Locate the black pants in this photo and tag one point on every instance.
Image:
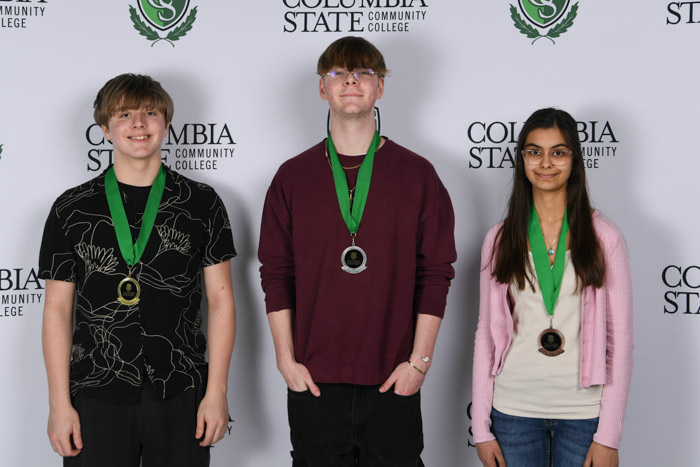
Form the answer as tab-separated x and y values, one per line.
158	432
353	425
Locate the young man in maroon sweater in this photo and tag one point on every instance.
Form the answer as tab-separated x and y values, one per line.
355	276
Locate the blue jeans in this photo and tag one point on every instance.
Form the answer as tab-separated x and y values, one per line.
543	442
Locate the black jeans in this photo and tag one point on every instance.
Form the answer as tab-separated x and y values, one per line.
158	432
354	425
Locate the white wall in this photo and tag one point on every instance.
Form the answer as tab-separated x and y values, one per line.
460	65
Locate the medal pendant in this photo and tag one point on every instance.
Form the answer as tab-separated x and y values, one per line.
551	342
354	259
128	291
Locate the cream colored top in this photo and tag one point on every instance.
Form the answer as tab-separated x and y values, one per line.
532	384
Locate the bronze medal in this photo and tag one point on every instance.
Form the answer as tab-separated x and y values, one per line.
549	278
129	291
551	342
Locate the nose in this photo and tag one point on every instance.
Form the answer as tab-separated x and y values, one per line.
138	120
546	160
351	78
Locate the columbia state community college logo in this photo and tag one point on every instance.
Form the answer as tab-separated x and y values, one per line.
17	14
170	19
20	288
543	18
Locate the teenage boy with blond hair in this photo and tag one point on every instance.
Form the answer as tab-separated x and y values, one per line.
128	253
355	276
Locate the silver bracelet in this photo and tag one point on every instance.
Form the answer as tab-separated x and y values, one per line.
426	359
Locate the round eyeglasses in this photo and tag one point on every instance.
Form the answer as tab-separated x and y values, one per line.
359	74
556	156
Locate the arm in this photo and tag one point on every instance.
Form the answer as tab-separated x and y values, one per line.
295	374
276	251
212	415
57	340
490	300
277	273
435	254
619	343
434	271
406	379
484	346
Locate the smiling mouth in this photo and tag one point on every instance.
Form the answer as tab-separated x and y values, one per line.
139	138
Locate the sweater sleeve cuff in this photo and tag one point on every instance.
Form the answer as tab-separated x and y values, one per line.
483	439
606	441
431	301
280	297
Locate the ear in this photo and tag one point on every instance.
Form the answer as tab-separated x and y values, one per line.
105	130
322	89
380	87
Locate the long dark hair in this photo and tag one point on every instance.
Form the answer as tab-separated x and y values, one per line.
511	252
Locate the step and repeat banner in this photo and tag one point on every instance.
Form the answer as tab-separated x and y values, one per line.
464	75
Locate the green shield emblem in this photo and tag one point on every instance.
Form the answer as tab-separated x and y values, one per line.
163	14
543	13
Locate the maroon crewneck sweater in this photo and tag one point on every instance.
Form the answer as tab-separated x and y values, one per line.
356	328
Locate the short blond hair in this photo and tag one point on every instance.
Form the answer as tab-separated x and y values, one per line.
130	91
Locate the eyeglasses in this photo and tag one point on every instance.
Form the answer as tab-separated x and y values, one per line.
359	74
557	156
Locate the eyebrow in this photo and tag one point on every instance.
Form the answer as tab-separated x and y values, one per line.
147	108
538	146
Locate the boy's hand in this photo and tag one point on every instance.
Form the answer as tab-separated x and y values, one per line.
64	422
212	418
406	380
298	378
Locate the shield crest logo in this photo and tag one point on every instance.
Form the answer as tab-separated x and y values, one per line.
163	14
542	13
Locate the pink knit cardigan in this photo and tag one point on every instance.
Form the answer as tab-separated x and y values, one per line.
606	336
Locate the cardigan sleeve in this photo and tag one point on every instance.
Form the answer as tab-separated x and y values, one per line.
619	341
484	346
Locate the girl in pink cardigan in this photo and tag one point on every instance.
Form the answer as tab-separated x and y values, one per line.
553	348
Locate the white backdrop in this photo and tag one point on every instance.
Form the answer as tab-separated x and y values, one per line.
462	80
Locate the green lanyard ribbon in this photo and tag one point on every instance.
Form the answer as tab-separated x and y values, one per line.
548	277
364	175
132	252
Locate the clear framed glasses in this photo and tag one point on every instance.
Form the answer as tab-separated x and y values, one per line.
535	156
359	74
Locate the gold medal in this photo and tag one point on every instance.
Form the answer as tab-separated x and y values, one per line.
129	291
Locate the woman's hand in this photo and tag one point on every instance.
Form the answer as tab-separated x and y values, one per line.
490	454
601	456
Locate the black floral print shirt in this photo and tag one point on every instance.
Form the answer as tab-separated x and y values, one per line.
119	348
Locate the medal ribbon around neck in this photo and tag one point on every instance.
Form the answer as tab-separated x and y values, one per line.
131	252
548	277
364	175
